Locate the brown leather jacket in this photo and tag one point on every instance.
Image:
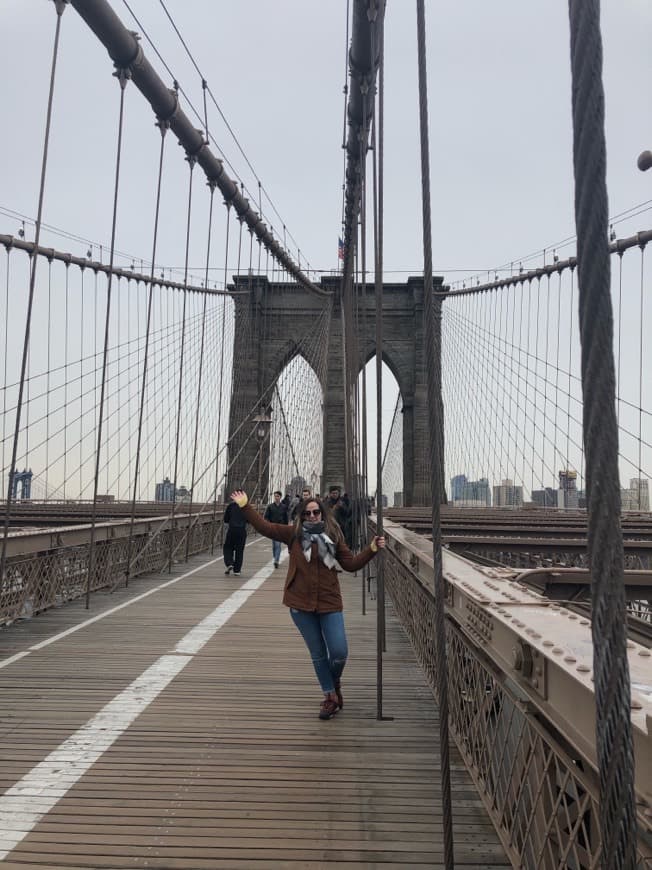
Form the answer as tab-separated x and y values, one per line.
309	585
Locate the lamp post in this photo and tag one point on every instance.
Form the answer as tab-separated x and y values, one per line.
263	423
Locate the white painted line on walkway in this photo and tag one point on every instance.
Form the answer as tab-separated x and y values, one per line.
26	802
37	646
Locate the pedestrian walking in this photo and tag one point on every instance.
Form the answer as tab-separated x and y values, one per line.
236	537
276	512
305	494
340	505
312	590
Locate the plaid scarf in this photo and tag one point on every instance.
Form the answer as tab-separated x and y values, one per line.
314	533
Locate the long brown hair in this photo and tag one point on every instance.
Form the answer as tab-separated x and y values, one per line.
331	526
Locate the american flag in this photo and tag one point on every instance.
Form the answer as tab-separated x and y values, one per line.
340	249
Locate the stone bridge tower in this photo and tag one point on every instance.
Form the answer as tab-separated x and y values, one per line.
271	321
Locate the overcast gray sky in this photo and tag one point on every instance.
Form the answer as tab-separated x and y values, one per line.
500	125
499	88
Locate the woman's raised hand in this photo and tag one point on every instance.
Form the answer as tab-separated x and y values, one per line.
239	497
377	543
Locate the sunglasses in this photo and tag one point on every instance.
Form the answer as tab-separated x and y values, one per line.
315	513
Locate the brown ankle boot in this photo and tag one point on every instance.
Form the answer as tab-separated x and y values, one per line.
328	708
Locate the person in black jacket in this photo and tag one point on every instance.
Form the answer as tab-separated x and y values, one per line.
276	512
236	536
341	507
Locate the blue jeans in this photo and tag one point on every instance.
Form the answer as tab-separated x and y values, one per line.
276	550
326	641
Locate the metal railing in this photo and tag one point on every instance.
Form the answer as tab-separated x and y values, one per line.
540	789
47	567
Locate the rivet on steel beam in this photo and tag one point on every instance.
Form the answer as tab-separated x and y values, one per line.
557	651
548	643
644	652
570	660
583	669
636	705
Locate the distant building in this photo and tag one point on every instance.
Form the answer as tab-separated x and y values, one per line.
472	493
164	491
545	497
567	495
398	499
183	494
508	495
457	487
637	497
24	478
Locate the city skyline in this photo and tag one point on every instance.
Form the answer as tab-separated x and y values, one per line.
465	492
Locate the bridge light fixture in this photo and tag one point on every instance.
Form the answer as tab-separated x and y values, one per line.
263	422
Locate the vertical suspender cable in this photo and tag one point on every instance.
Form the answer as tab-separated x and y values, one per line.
346	91
378	275
66	346
212	186
433	367
358	361
640	374
59	6
605	546
122	79
47	383
191	165
163	126
81	385
219	400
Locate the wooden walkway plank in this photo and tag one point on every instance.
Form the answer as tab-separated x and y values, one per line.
229	765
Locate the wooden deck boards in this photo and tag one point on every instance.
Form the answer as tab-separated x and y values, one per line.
229	765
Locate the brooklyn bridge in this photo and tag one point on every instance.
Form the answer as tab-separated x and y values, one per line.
167	341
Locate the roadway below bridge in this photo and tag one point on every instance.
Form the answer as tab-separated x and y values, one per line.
526	538
516	523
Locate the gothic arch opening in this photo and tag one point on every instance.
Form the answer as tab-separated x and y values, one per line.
392	432
296	442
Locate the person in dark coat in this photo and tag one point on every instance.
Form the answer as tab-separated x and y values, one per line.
341	508
236	537
276	512
312	589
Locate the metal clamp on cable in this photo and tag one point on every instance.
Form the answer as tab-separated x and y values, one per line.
644	161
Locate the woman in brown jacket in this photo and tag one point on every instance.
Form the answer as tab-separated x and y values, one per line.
312	590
